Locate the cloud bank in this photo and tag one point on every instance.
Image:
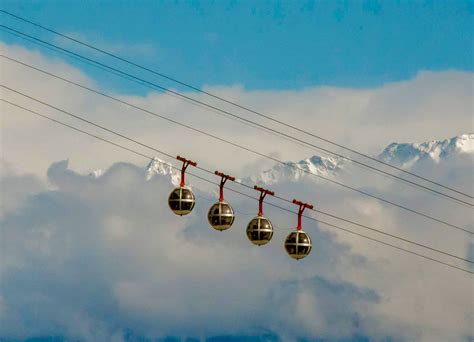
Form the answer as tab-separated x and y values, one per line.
103	258
105	255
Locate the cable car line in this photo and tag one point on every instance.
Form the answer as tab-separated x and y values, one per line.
415	186
249	150
169	94
198	105
250	187
169	91
231	102
260	154
246	195
209	109
188	99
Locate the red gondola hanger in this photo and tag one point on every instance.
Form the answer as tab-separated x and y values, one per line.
182	200
186	163
260	229
221	215
224	179
298	243
302	207
263	193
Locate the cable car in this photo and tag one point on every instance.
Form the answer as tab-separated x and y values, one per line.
182	200
298	243
221	215
260	229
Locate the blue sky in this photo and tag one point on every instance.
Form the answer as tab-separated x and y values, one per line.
268	44
100	258
97	258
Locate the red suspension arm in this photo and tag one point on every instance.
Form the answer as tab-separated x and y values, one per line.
302	207
263	193
186	163
224	179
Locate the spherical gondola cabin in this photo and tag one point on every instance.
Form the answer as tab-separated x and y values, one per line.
298	244
221	216
181	200
259	230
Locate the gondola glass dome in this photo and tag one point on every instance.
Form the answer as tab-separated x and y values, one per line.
181	200
259	230
221	216
298	244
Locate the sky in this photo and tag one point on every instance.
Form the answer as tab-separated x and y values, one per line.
270	44
89	248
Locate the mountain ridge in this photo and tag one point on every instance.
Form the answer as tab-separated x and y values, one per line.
403	155
399	154
407	154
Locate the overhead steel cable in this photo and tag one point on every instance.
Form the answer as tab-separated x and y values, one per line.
169	92
252	151
220	98
177	97
246	195
209	109
169	155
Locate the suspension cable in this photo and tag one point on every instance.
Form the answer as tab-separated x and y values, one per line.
220	185
211	107
246	195
253	151
160	74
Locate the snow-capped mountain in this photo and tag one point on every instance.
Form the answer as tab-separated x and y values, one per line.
407	154
96	173
325	166
404	155
160	167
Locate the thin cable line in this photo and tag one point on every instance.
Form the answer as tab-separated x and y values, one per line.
255	152
238	192
169	91
250	187
219	113
232	103
141	83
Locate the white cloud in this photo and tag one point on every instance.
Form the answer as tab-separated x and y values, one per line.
430	106
95	258
99	253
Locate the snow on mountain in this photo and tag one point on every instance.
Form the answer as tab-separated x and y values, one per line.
96	173
404	155
407	154
325	166
160	167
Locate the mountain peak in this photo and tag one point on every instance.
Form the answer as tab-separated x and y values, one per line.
406	154
96	173
160	167
292	171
